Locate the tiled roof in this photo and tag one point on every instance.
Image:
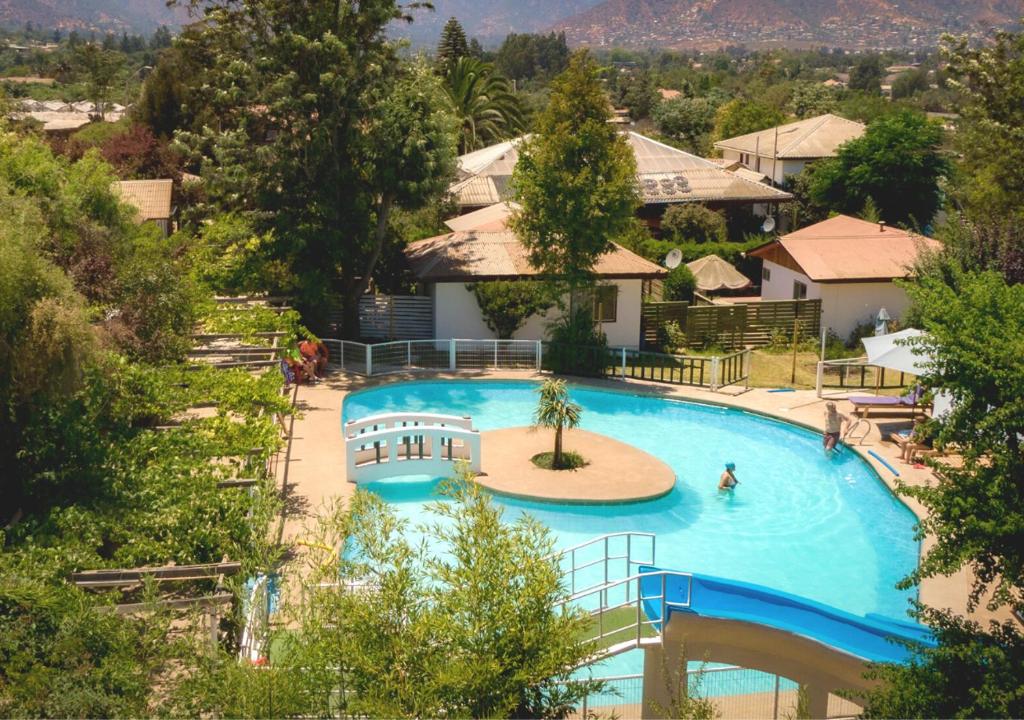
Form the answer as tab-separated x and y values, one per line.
815	137
844	248
152	198
495	255
493	217
665	175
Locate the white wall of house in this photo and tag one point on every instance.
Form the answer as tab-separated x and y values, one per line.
779	284
777	170
457	315
843	305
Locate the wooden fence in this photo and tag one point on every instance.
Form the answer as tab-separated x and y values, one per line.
396	317
731	326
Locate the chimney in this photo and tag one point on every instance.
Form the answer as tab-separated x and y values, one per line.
881	226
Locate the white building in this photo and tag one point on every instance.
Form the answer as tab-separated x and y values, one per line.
448	265
850	264
785	150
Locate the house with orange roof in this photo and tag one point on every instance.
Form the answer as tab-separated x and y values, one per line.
851	265
485	249
785	150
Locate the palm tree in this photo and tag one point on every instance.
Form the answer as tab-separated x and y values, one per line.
484	103
556	410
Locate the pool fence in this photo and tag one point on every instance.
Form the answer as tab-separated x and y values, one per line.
453	355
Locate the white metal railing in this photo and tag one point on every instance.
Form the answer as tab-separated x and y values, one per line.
412	450
618	608
582	563
467	354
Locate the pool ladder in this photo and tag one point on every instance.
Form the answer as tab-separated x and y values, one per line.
850	439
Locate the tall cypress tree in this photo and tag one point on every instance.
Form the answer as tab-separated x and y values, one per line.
452	46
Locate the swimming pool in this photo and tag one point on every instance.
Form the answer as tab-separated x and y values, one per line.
823	528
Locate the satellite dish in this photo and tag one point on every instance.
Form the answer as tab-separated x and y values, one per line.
768	225
674	258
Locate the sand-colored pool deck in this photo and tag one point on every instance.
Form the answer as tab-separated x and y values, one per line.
314	472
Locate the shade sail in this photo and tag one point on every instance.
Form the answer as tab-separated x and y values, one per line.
713	273
894	352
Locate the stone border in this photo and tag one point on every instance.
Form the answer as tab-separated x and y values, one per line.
617	472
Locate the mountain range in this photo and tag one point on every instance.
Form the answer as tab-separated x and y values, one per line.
856	23
631	23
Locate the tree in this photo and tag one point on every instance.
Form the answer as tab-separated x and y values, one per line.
687	120
740	117
452	46
692	222
483	103
636	91
575	179
866	74
975	333
470	624
321	133
97	67
898	163
679	284
507	304
555	410
810	99
975	508
525	56
910	83
990	133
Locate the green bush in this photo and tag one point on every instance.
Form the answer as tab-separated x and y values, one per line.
507	304
680	284
577	346
693	223
671	337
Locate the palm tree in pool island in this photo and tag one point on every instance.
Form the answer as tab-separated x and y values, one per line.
555	410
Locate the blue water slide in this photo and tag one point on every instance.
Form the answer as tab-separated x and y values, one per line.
871	637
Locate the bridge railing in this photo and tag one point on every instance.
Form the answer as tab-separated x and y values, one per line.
386	421
422	450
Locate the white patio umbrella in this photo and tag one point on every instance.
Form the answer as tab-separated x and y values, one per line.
885	351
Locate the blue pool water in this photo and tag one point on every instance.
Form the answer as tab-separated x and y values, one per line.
822	528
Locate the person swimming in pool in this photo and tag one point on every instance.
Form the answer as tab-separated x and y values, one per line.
834	421
728	479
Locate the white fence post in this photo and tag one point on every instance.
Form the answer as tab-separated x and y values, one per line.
819	380
369	360
714	374
496	354
451	354
623	363
538	355
408	353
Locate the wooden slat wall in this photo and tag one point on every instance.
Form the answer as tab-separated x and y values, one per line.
396	317
732	326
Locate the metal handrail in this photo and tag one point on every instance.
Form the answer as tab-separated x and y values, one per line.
605	557
849	433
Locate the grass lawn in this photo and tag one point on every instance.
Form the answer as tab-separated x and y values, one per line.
624	617
772	370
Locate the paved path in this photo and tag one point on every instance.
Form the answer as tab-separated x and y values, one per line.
315	472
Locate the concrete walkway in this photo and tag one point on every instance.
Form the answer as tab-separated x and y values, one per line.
315	471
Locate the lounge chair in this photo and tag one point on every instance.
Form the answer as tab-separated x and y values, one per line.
911	401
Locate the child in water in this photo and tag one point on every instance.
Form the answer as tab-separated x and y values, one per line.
728	479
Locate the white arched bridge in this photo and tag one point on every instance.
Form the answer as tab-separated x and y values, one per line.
395	444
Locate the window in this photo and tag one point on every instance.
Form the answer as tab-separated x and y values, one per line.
766	274
799	290
606	302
